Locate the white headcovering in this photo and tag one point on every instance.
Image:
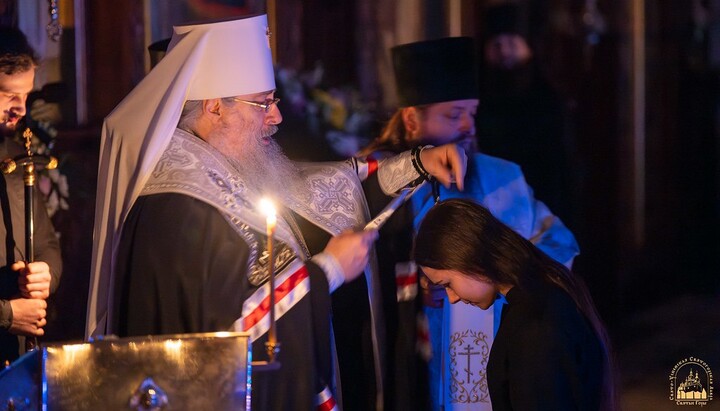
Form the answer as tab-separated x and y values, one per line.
204	61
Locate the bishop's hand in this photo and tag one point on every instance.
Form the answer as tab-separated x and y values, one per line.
351	250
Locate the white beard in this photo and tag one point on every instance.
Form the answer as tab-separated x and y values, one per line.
266	169
259	159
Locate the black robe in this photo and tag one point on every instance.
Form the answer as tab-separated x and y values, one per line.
545	355
406	381
521	118
181	268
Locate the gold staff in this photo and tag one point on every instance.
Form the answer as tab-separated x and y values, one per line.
28	161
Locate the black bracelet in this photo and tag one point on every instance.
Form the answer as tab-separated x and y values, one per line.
415	160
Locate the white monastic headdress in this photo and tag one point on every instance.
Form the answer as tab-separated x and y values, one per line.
204	61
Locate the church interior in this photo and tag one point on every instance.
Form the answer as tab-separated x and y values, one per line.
639	84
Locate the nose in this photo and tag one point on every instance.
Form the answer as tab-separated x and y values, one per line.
468	124
452	297
273	117
18	105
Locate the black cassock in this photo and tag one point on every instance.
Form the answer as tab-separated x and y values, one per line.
545	355
182	268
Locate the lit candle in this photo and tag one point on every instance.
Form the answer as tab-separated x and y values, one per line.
267	208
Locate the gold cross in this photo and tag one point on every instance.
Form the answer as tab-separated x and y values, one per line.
27	135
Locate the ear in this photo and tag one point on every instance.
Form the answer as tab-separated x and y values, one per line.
212	106
411	120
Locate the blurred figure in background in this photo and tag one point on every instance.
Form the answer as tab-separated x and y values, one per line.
521	118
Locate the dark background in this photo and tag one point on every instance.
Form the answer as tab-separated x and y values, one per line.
646	216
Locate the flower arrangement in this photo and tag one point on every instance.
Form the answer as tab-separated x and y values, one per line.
338	113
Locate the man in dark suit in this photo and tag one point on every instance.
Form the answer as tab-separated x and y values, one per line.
24	287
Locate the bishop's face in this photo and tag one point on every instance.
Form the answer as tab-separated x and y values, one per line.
245	137
14	90
449	122
255	116
243	128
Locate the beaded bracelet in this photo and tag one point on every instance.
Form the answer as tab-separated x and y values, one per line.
415	160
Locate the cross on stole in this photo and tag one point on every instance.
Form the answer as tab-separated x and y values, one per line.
469	354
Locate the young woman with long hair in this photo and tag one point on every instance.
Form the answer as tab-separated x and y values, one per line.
551	351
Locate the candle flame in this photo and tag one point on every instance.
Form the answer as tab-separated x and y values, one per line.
267	207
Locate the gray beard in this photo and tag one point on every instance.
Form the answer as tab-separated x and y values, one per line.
257	157
265	168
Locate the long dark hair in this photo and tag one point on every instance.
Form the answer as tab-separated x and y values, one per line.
459	234
394	137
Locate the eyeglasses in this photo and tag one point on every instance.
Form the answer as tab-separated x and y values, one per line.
266	105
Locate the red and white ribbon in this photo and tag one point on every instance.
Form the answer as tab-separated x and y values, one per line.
325	401
292	284
406	281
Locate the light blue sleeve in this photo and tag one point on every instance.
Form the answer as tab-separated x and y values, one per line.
551	236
